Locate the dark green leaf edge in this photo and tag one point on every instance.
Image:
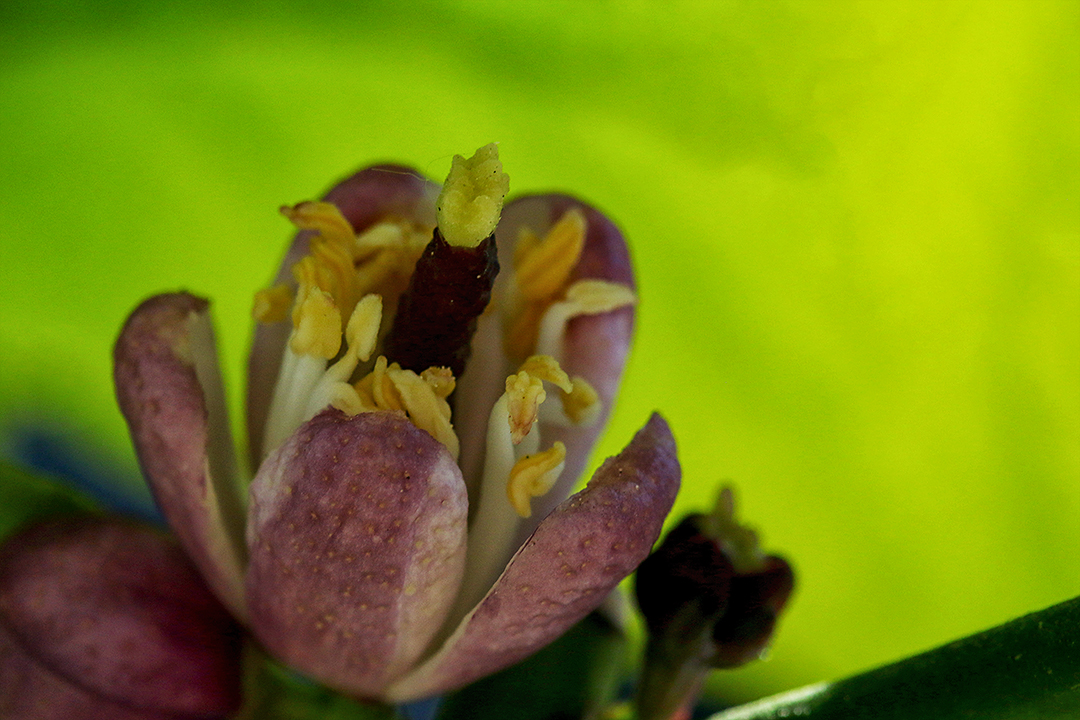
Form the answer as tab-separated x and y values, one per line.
25	497
1025	669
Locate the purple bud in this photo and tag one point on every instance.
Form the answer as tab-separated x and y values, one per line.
103	618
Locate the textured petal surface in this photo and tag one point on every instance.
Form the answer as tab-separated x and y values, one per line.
371	195
566	569
357	542
169	388
102	612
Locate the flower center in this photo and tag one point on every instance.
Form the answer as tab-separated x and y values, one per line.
390	288
347	285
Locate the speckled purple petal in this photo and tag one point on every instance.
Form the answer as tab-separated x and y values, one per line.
566	569
365	198
169	388
100	618
357	543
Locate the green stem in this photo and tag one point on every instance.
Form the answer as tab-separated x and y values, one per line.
667	685
1025	669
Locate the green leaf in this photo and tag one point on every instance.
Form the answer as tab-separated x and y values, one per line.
25	497
573	677
1025	669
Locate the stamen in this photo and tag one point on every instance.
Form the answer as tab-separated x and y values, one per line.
318	326
305	385
323	217
582	403
422	398
425	408
542	271
533	475
542	267
524	393
546	368
441	381
272	305
585	297
362	332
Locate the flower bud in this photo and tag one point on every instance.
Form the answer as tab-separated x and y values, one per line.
101	618
711	599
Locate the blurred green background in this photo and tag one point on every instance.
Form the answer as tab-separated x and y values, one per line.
857	228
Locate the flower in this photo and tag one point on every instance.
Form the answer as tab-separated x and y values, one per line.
711	599
405	532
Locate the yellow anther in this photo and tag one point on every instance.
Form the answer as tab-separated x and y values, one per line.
384	258
362	332
440	379
470	203
425	409
582	403
378	236
524	393
388	387
543	267
381	389
592	297
547	368
542	271
322	217
329	267
318	329
533	475
272	305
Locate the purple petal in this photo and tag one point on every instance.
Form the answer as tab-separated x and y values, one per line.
576	557
101	618
31	691
170	392
357	543
369	196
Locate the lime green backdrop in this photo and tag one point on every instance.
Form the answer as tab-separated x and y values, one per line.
857	228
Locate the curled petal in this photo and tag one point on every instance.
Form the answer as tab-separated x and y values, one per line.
169	387
101	618
357	543
566	569
373	194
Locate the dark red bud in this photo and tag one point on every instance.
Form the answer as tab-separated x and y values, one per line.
687	567
689	584
755	602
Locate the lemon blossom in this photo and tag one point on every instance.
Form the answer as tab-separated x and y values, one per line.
429	373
